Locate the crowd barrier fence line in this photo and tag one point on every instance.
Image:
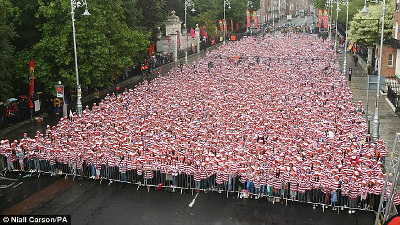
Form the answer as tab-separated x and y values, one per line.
183	182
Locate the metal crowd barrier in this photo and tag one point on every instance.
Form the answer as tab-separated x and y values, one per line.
183	182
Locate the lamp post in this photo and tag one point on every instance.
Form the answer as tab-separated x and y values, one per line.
337	15
364	12
187	3
249	4
75	5
273	14
375	125
330	20
226	3
345	41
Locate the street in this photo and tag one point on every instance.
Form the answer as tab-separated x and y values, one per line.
90	202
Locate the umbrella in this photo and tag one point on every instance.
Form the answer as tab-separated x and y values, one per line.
8	101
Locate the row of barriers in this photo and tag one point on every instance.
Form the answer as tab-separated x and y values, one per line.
183	183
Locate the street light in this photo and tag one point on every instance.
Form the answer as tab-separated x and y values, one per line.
187	3
226	3
249	4
345	41
375	125
364	11
329	4
337	15
377	33
74	5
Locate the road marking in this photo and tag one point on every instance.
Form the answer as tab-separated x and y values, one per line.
18	184
192	203
5	178
6	186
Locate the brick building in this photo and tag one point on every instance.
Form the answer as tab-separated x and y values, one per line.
391	48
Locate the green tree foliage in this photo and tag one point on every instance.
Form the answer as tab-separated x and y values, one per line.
116	36
209	12
105	44
153	16
364	29
319	4
8	14
354	7
26	28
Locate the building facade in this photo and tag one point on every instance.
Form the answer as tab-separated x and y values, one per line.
279	9
391	48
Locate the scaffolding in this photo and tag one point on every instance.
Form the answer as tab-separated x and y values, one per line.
387	209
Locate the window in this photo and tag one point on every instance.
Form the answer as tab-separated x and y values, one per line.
390	60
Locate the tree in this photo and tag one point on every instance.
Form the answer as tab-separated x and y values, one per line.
105	44
26	24
364	29
354	7
153	16
8	14
319	4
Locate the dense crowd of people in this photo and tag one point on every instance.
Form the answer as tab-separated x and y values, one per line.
273	112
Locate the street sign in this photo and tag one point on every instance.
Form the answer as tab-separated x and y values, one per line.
373	82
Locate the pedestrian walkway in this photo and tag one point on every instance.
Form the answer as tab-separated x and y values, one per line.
389	121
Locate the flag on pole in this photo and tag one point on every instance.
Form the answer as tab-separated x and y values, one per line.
204	32
319	17
179	41
248	18
192	32
325	18
220	25
326	21
225	26
151	50
231	25
255	19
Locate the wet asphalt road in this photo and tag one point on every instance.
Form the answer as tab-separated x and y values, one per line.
89	202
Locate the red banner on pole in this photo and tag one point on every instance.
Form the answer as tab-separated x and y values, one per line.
237	26
31	83
231	25
225	26
204	32
179	41
255	19
220	25
248	18
319	17
192	33
151	50
326	21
